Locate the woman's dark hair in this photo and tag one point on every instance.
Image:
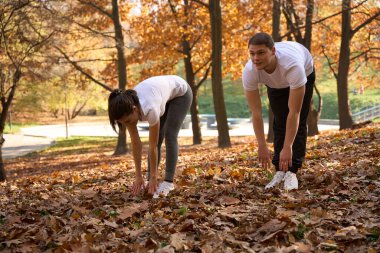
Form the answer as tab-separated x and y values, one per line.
121	102
262	39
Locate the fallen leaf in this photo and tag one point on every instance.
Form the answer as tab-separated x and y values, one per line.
111	224
226	200
178	240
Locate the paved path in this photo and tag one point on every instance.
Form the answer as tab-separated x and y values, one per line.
36	138
244	128
17	144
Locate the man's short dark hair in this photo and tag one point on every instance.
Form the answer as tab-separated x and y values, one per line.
262	39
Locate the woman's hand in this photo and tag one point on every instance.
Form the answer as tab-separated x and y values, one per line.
152	186
138	185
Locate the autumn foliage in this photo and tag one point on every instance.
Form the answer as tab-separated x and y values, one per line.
65	201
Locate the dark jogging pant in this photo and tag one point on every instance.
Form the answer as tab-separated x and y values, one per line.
170	125
278	99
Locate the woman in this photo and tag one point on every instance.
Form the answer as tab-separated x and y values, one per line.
163	101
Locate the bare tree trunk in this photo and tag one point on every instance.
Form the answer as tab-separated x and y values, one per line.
121	147
313	117
6	103
216	75
75	112
294	22
312	120
197	134
345	118
3	175
121	142
276	21
190	78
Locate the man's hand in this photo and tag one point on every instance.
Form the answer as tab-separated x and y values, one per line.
264	157
286	155
138	185
152	186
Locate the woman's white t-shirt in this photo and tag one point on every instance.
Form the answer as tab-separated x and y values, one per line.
155	92
294	64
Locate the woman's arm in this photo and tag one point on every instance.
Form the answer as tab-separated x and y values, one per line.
136	152
153	157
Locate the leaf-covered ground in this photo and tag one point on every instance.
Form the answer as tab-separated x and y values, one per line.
79	201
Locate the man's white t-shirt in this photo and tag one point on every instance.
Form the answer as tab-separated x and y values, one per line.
294	64
155	92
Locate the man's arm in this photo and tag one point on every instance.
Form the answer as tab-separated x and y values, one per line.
295	106
254	103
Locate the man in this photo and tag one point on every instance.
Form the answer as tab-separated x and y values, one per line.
286	68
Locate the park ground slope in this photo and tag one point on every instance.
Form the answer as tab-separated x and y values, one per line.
78	200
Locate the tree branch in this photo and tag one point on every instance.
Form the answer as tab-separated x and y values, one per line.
80	69
38	43
22	5
363	53
89	28
92	60
104	12
202	3
175	14
201	67
330	64
204	77
322	19
364	24
196	40
320	99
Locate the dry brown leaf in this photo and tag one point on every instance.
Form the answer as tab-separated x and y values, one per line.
178	241
189	171
128	211
227	200
111	224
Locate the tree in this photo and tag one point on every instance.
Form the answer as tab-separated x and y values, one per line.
276	27
345	118
215	12
365	45
103	18
296	25
187	47
168	33
22	35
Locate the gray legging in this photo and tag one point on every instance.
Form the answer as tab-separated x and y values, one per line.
170	124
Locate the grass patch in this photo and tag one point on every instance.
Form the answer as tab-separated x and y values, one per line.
182	210
82	144
374	236
78	145
15	128
299	233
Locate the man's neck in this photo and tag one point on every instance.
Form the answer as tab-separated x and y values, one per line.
271	66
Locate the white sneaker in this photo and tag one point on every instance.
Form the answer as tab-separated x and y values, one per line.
278	177
290	181
163	189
